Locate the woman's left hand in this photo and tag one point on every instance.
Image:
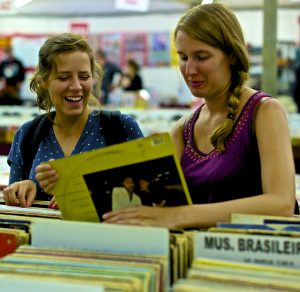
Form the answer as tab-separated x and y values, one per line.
144	216
46	176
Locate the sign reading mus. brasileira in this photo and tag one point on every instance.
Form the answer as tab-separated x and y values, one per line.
271	250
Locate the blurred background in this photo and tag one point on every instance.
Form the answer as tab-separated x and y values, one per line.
142	30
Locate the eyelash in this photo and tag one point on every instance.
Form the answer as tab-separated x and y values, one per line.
82	77
199	58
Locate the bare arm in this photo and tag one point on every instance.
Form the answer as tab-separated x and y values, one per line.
277	164
278	175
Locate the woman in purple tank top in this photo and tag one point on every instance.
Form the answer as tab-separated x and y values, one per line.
235	149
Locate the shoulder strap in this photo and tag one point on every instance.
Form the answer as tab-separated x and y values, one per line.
112	127
29	146
256	107
190	119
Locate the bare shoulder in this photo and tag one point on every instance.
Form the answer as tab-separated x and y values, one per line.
271	116
269	103
271	106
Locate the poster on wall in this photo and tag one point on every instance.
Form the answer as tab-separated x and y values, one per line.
26	48
93	40
4	41
135	47
81	28
173	52
7	7
159	49
111	44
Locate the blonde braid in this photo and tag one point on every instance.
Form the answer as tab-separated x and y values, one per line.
221	134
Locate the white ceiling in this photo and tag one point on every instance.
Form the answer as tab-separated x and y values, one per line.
93	7
42	8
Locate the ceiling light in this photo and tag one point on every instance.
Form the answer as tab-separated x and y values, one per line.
20	3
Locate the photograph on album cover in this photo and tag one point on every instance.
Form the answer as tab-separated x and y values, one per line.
152	183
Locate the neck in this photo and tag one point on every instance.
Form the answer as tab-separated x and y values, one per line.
69	125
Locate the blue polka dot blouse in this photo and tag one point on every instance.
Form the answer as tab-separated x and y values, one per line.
91	138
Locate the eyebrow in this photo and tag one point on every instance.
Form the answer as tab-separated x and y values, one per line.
196	52
67	72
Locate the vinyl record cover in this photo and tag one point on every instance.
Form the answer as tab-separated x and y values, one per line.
161	262
10	239
144	171
31	212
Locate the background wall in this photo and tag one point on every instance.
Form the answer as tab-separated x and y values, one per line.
251	21
165	81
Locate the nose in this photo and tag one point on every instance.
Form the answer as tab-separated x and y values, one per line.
75	84
190	67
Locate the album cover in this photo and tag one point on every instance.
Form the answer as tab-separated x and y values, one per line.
144	171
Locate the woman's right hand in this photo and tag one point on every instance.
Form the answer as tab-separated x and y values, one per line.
46	176
21	193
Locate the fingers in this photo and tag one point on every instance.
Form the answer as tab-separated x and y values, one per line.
53	204
3	187
118	213
46	176
144	216
43	167
130	216
43	171
20	193
26	193
48	185
10	195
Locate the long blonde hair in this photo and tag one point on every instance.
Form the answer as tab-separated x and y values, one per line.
217	26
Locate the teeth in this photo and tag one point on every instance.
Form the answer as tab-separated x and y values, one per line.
74	98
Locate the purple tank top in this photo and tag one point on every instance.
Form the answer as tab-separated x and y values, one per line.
236	173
